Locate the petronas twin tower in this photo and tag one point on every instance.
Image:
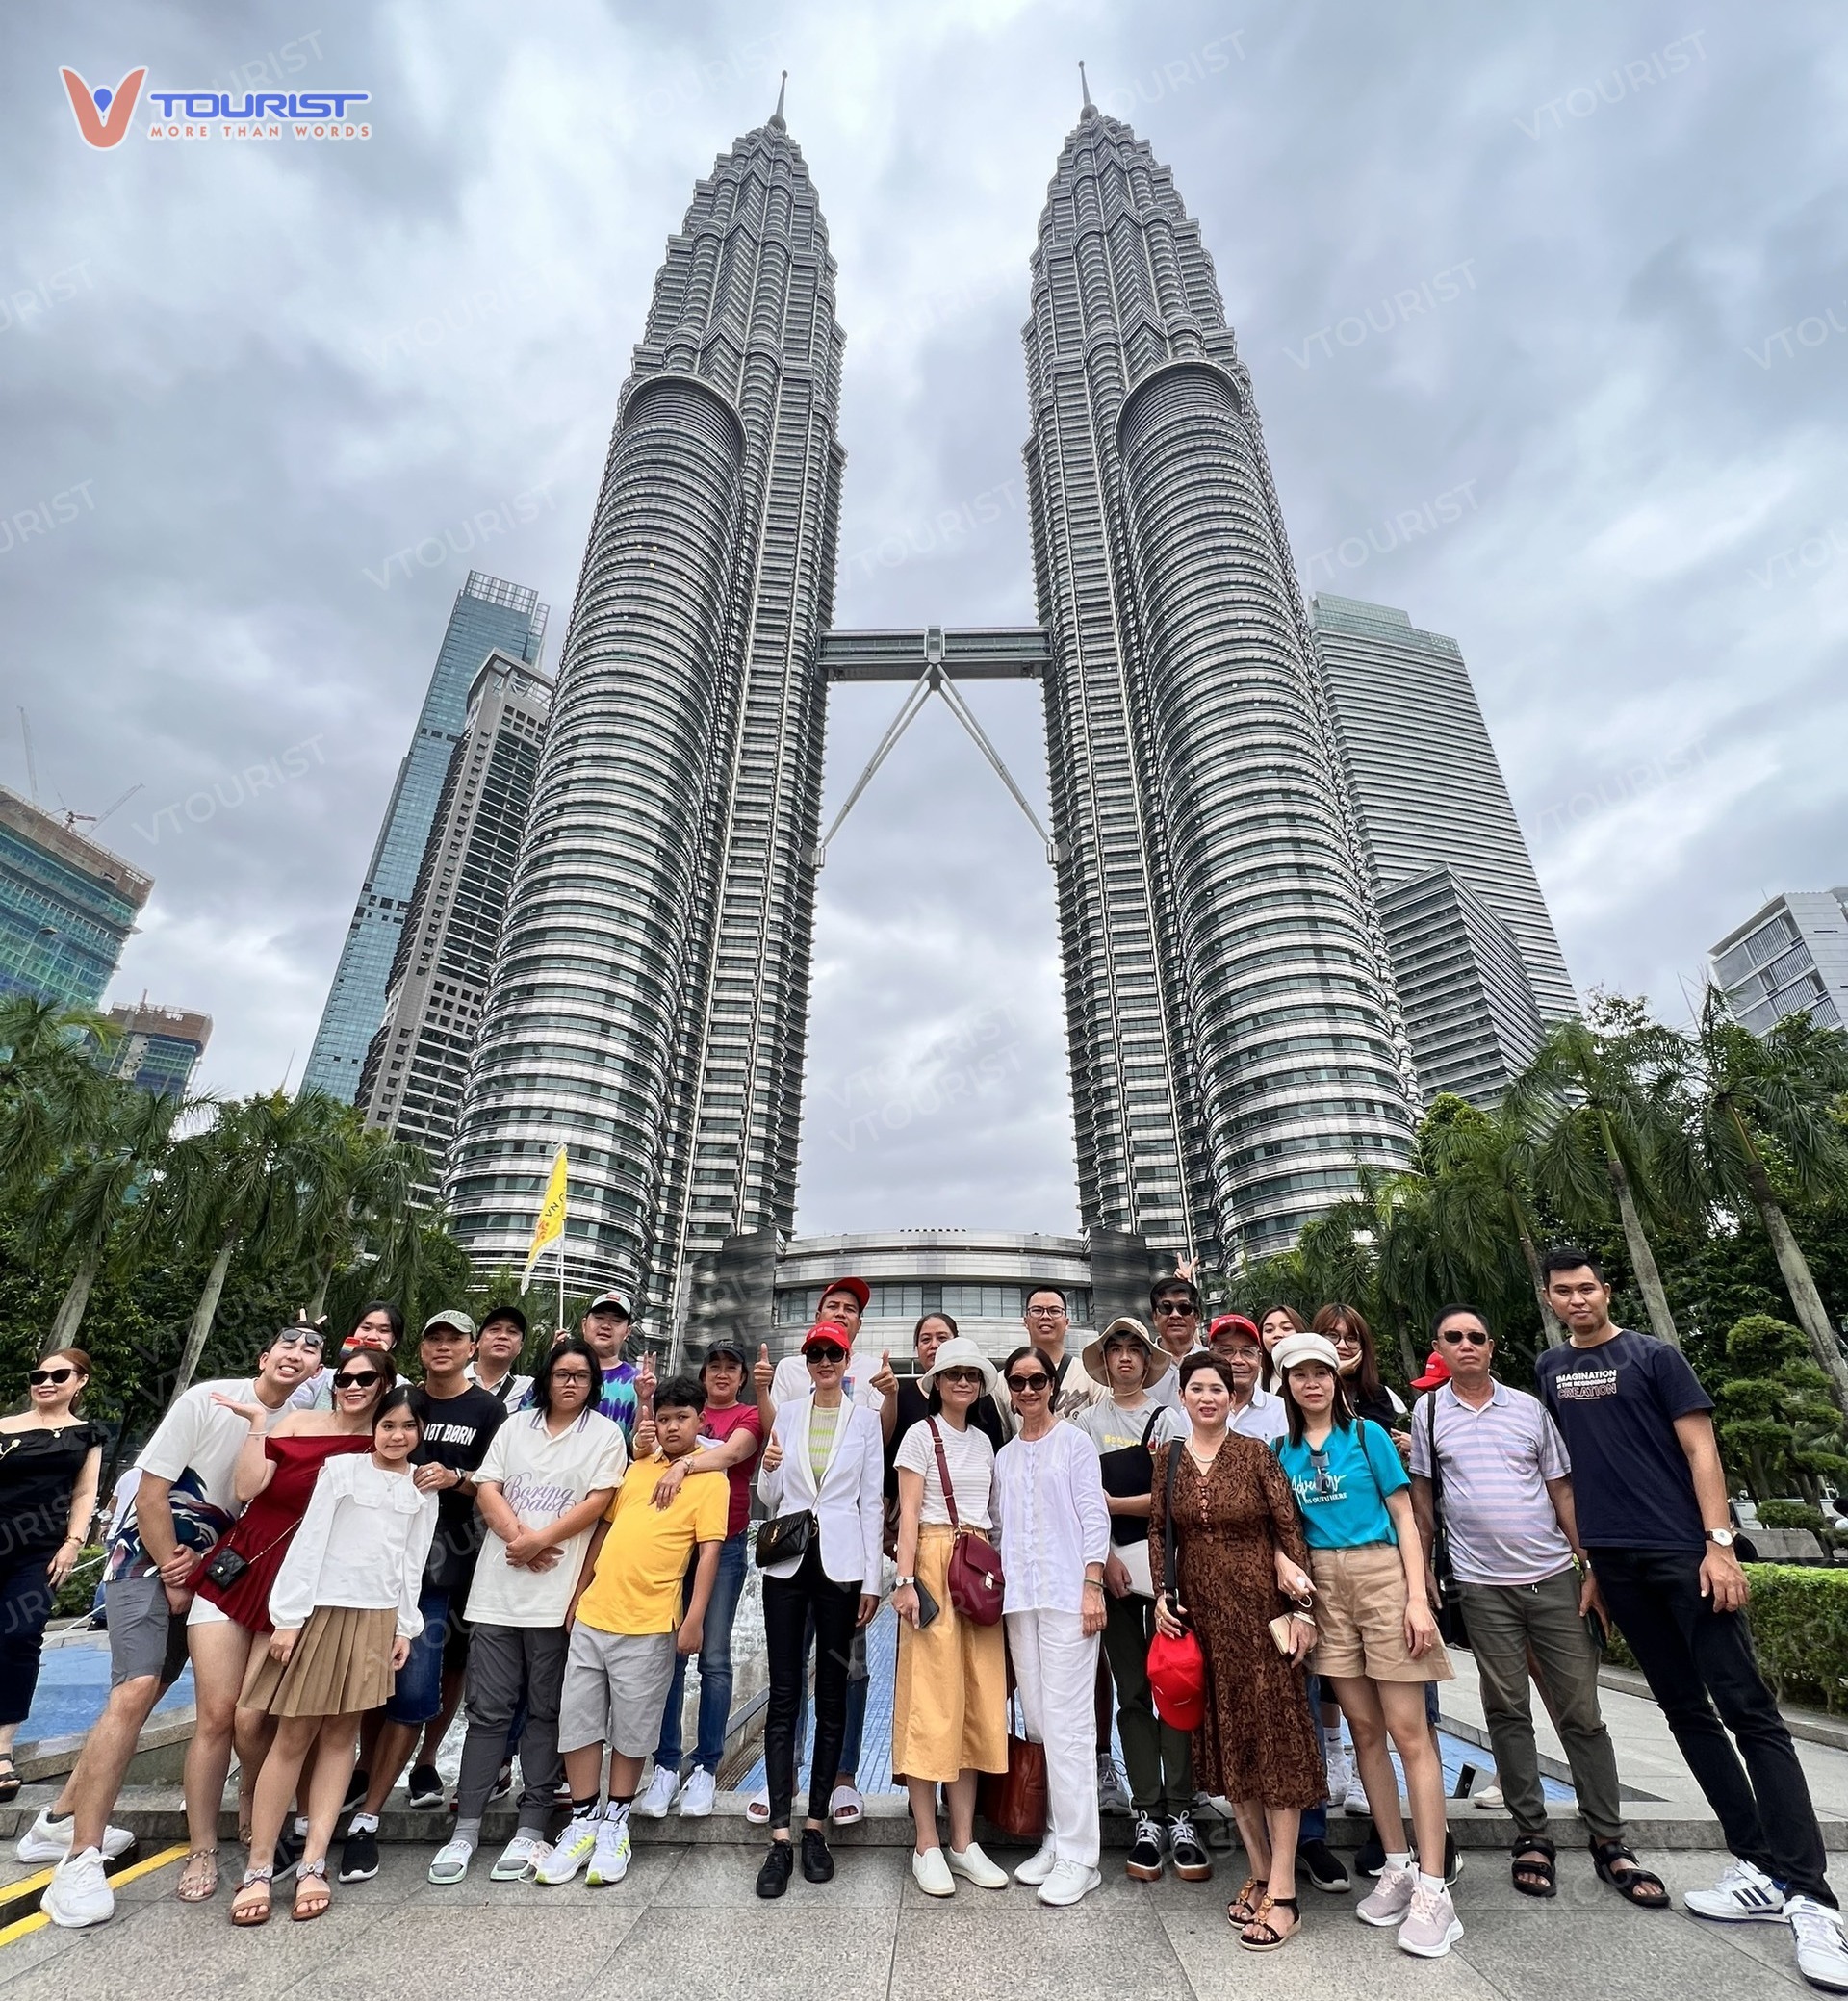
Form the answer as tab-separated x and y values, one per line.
1234	1053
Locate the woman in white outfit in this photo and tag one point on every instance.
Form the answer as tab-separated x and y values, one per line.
1055	1535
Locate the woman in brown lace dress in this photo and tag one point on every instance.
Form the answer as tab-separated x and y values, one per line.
1236	1536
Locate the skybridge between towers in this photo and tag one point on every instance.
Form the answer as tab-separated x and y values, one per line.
932	659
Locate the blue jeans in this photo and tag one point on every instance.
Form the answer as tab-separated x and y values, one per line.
716	1667
417	1693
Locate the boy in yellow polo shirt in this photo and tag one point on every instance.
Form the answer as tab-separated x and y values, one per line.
629	1625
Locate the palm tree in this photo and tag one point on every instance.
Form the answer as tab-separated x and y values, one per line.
1765	1120
100	1206
363	1190
1601	1106
1481	1167
52	1093
1381	1245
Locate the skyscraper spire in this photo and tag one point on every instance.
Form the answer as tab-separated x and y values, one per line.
1084	84
776	116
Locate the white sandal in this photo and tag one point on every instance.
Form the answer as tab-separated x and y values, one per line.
846	1805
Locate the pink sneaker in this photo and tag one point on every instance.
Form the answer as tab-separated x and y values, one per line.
1431	1925
1391	1899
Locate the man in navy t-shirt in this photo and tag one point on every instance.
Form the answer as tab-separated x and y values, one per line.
1651	1499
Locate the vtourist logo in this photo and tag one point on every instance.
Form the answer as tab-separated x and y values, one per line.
103	116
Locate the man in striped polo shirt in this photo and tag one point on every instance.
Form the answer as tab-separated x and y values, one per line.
1506	1499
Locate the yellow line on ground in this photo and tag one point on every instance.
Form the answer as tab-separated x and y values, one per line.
21	1926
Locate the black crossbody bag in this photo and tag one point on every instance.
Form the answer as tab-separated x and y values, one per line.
1449	1609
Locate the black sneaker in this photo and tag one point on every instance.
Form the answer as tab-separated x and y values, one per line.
1372	1859
288	1849
1186	1850
502	1784
772	1879
423	1787
1146	1851
1452	1861
359	1856
817	1864
355	1790
1319	1863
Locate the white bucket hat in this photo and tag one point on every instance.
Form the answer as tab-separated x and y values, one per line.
960	1354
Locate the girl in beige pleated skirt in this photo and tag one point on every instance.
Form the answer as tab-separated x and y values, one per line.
345	1610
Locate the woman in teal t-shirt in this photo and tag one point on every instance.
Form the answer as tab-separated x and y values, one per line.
1377	1643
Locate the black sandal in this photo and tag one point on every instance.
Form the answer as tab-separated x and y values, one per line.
1532	1870
10	1779
1261	1935
1637	1884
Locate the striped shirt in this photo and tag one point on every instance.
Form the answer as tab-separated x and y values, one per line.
1496	1463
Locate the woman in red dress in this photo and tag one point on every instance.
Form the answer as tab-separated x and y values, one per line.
276	1474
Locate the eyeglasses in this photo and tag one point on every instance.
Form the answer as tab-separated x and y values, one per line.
39	1378
1045	1312
570	1375
1346	1338
1471	1337
360	1379
1176	1308
1030	1385
298	1337
960	1376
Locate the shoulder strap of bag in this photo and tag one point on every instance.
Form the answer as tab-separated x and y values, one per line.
1440	1539
1171	1575
943	1473
1154	1418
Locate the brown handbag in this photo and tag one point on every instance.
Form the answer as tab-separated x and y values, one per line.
1013	1802
976	1583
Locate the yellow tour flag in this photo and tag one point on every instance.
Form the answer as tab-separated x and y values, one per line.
551	1226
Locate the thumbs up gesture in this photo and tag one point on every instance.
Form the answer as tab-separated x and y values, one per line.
884	1381
763	1373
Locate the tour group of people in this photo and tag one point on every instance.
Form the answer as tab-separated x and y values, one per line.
1228	1538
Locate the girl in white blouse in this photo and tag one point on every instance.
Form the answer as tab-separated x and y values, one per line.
345	1610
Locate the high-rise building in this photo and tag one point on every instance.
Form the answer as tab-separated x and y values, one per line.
1792	955
411	1084
1423	779
1234	1051
66	907
488	614
159	1047
1463	988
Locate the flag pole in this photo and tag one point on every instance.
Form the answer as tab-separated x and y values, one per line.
561	1284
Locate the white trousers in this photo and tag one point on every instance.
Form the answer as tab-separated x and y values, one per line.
1055	1663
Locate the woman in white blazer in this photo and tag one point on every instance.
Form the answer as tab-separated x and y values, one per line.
826	1459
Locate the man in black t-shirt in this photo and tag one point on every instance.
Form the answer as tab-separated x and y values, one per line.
1650	1497
459	1418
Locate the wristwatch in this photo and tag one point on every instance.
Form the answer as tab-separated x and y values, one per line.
1720	1538
899	1584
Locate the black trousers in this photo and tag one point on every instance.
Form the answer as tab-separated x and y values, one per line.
1697	1661
25	1606
788	1605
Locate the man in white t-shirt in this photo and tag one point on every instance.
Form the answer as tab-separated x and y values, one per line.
549	1475
184	1502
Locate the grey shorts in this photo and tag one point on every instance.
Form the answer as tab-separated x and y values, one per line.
616	1687
144	1637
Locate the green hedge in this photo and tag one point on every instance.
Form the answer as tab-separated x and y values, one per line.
1798	1619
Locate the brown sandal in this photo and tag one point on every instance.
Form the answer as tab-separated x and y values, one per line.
254	1912
1261	1935
199	1882
312	1894
1243	1907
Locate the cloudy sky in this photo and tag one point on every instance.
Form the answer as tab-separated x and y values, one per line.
1582	265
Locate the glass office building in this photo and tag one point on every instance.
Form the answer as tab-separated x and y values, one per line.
488	613
1791	956
160	1047
66	907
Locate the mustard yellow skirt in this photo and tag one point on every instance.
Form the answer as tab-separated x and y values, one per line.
341	1666
950	1705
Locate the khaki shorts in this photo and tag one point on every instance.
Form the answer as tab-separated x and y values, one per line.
1360	1618
615	1689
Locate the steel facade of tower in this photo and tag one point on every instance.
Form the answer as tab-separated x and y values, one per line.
488	613
651	996
1233	1052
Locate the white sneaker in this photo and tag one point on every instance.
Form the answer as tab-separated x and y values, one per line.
48	1840
932	1873
973	1867
660	1795
1067	1883
757	1808
1357	1799
1431	1925
1489	1798
609	1858
1341	1775
450	1862
79	1893
517	1861
1037	1867
698	1795
1822	1958
1744	1893
1111	1796
571	1850
1391	1898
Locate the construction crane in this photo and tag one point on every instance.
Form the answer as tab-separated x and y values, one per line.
96	819
32	769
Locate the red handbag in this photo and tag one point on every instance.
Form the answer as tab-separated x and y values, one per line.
976	1582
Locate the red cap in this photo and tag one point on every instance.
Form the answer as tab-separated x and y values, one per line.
1177	1680
1233	1324
856	1288
829	1331
1437	1372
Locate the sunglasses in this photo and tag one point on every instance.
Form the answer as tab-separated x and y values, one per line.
1030	1385
1178	1309
960	1376
298	1340
39	1378
356	1378
1471	1337
824	1354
